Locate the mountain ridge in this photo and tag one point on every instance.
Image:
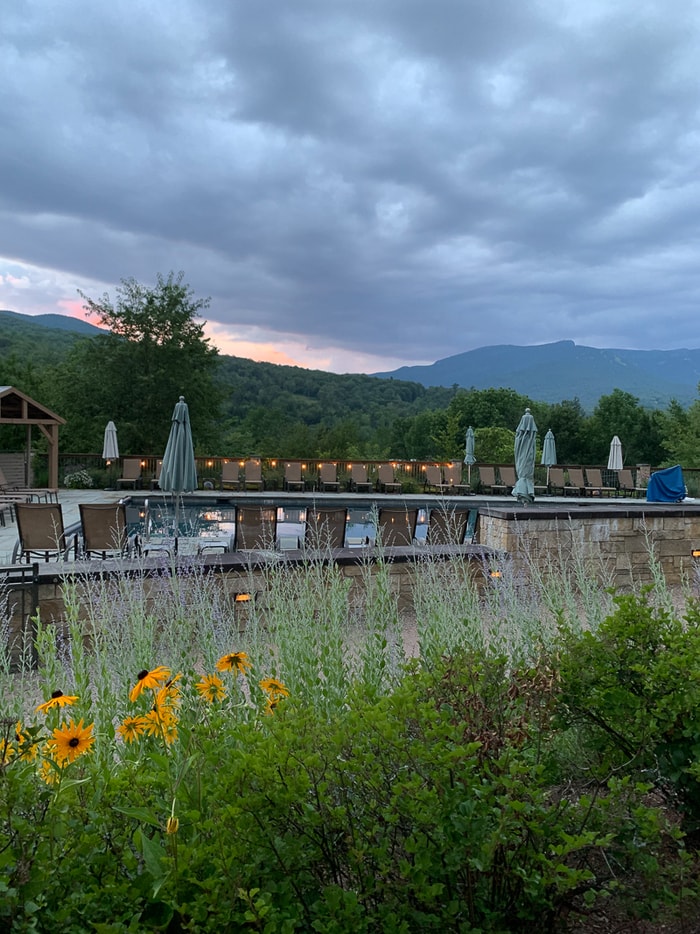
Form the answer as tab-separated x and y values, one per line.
548	372
566	370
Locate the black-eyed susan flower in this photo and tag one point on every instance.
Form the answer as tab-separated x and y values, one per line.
131	728
274	688
271	704
57	699
149	679
48	773
71	741
234	661
169	694
27	744
161	722
211	688
7	751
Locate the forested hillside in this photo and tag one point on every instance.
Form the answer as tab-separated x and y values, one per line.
133	372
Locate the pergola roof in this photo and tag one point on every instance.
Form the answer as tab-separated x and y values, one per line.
17	408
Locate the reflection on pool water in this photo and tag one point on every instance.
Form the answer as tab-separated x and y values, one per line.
202	521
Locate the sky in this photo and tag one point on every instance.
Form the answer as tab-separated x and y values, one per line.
360	184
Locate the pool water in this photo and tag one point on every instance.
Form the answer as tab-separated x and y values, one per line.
206	521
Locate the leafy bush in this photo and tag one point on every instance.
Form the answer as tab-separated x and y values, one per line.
634	688
78	480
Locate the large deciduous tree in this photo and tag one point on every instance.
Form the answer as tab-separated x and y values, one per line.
155	351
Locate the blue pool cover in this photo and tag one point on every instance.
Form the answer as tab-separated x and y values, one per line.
666	486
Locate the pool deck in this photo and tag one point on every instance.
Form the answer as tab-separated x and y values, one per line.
505	506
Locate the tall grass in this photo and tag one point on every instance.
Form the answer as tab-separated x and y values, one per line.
310	626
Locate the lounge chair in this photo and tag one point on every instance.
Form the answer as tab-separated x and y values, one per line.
488	482
230	475
325	528
556	480
328	478
433	482
628	484
358	481
508	478
252	475
386	479
452	479
131	472
576	483
41	532
256	528
595	485
33	494
104	530
155	480
396	527
293	479
451	526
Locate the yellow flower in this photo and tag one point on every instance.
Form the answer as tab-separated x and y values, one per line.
172	825
27	746
57	699
211	688
7	751
131	728
149	679
235	661
161	722
48	773
169	694
271	705
274	688
72	740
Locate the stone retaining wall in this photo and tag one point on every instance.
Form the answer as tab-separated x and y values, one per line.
620	537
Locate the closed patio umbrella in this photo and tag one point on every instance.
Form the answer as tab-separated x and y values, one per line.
525	442
110	447
549	452
178	473
469	457
615	456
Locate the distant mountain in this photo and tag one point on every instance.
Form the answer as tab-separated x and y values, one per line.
565	370
54	322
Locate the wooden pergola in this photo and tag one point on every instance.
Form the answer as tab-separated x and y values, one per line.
16	408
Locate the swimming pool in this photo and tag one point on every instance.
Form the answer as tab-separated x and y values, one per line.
202	519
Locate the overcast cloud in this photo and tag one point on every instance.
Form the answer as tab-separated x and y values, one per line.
359	184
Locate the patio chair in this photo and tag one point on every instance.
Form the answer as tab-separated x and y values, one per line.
256	528
252	475
396	527
230	475
325	528
451	526
488	482
131	472
386	479
575	483
452	479
293	479
41	532
556	480
433	482
104	530
628	483
508	478
358	481
328	478
595	485
155	480
33	494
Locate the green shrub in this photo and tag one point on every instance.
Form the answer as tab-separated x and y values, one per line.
634	689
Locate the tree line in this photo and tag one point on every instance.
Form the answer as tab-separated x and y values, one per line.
155	350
